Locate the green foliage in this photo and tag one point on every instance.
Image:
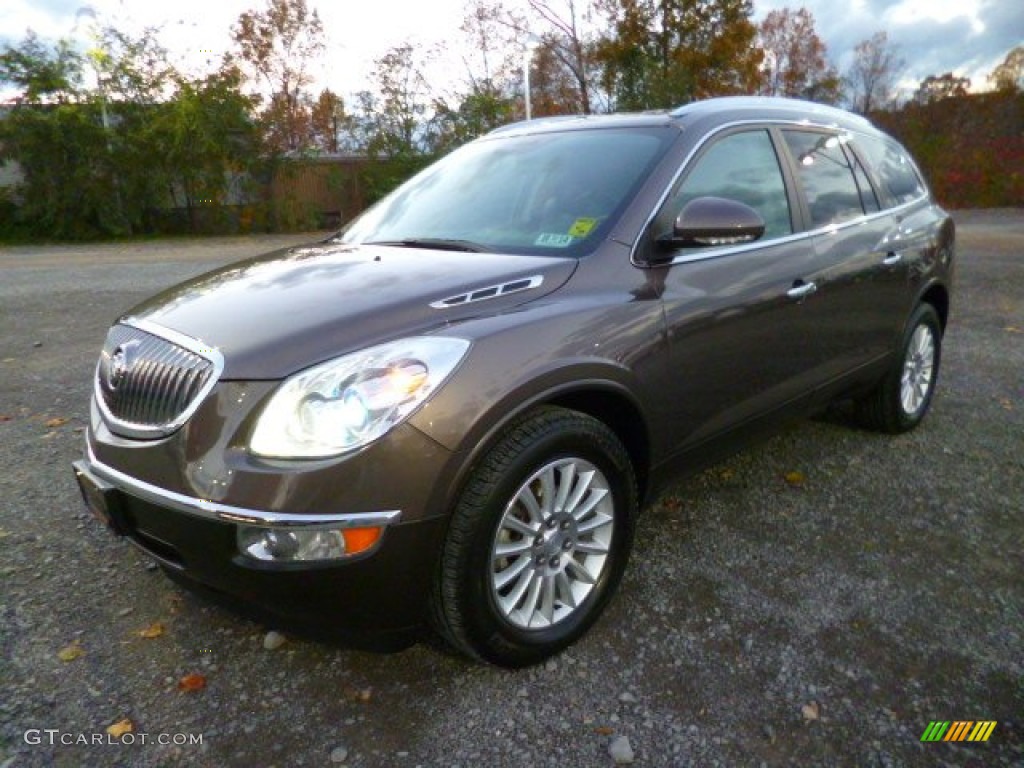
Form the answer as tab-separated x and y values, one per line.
69	180
41	72
103	161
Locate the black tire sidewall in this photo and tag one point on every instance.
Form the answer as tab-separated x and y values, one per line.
488	631
926	315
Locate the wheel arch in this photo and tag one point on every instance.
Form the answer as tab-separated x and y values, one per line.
606	400
938	296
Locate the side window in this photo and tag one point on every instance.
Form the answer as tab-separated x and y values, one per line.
827	178
894	168
868	198
741	167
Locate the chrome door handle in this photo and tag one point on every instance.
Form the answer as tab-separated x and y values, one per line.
801	290
892	258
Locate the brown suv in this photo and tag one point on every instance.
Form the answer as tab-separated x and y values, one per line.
451	412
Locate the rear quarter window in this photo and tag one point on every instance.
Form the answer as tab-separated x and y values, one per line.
896	172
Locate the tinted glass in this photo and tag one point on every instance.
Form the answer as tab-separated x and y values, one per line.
894	168
550	193
826	176
868	198
741	167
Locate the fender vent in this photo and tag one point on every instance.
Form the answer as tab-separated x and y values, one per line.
490	292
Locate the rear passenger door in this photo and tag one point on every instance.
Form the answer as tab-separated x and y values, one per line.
862	282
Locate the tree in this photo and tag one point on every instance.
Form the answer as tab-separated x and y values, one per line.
795	64
328	119
661	53
1009	75
103	160
391	126
939	87
43	74
277	46
567	45
207	137
871	79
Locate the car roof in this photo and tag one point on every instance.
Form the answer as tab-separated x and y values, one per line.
715	111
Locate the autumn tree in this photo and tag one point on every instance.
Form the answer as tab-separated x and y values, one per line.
939	87
661	53
871	79
1009	75
566	50
328	121
795	63
276	47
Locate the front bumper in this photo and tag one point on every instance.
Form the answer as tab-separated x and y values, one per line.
381	592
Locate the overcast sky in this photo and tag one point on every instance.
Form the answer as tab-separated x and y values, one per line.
968	37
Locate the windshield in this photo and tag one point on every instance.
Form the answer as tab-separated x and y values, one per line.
546	193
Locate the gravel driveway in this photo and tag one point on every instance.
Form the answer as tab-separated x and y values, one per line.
816	600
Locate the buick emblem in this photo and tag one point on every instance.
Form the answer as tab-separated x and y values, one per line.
120	363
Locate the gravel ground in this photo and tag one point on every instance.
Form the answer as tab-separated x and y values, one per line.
821	620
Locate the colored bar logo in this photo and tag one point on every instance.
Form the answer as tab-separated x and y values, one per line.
958	730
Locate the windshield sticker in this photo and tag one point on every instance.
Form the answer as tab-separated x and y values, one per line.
553	240
581	227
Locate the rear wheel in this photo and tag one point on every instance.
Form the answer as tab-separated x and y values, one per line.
538	540
902	398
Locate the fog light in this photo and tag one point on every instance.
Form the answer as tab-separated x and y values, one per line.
286	545
283	545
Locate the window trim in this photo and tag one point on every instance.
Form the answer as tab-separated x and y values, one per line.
772	125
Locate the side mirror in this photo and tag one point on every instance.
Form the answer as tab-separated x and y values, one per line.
714	221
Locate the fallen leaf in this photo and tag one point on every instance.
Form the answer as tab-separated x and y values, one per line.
1006	403
193	682
56	422
153	630
727	474
604	730
5	417
70	652
795	479
120	728
810	711
359	694
1012	329
672	503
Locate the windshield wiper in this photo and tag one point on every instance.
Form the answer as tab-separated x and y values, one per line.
437	243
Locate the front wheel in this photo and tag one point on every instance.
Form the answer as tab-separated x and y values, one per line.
538	541
901	399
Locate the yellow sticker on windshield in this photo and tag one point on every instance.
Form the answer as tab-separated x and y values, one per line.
582	227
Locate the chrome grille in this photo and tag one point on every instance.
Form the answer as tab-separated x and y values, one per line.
148	385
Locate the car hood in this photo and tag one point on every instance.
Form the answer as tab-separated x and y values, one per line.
276	314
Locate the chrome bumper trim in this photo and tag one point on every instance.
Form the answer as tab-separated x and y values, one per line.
225	513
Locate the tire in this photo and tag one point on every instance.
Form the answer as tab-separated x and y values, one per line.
900	400
538	540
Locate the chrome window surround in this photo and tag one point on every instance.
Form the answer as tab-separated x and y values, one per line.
225	513
714	253
193	345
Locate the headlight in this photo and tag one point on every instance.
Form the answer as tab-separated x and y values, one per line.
351	401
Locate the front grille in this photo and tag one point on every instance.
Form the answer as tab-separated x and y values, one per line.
147	385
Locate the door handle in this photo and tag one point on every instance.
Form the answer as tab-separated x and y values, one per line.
801	290
892	258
